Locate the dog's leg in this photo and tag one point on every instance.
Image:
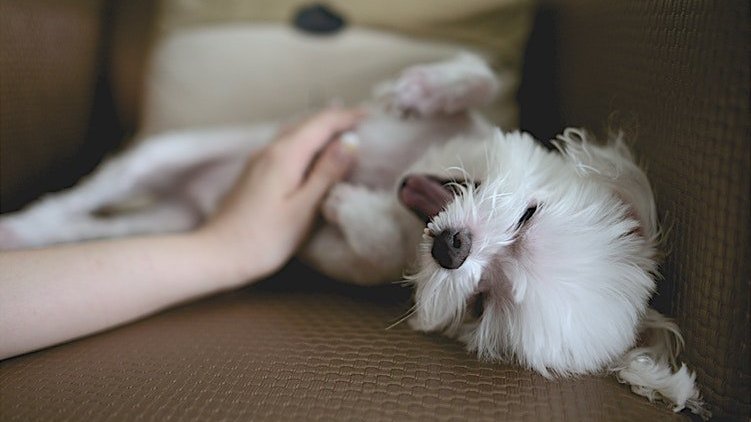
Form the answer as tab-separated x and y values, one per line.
364	243
442	88
155	166
163	217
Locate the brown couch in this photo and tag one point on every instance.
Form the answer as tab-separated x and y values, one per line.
301	347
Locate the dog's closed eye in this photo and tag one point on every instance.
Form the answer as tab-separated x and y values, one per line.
526	216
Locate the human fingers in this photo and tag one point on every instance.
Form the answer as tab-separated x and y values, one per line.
331	167
312	135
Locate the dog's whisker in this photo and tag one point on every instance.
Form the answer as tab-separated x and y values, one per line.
407	315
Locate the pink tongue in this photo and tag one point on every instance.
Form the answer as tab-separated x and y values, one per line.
424	196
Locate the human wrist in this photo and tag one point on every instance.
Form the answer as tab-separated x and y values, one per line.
236	264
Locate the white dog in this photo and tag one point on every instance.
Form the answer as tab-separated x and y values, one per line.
544	257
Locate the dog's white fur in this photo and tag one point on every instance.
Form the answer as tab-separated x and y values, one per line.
564	292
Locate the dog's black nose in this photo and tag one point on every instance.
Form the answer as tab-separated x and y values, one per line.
451	248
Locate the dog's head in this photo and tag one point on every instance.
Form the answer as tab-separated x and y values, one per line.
544	256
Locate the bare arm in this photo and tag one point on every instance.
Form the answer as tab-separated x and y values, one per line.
52	295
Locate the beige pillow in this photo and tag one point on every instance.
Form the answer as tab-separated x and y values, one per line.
233	61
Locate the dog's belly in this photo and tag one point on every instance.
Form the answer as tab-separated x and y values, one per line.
389	145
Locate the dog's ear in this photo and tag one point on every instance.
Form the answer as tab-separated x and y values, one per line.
653	370
613	165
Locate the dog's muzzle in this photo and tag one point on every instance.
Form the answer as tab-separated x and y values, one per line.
426	196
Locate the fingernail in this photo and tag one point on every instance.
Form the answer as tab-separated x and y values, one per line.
346	148
350	140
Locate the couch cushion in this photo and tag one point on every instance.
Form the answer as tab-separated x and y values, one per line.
297	347
235	61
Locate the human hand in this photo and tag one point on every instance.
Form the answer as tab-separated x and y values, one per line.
268	213
55	294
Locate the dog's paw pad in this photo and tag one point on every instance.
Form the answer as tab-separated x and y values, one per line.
413	93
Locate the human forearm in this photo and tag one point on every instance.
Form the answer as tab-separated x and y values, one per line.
58	294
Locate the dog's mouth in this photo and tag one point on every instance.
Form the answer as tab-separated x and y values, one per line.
427	195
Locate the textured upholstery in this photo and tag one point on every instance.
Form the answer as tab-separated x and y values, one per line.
49	67
298	347
132	31
675	78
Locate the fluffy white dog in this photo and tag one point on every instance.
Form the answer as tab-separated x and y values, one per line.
544	257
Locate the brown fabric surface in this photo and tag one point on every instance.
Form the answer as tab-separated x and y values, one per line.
297	348
133	30
675	77
48	67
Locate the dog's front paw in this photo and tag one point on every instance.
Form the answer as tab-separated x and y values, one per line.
337	198
413	94
442	88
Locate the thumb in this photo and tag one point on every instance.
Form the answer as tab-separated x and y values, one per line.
330	167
